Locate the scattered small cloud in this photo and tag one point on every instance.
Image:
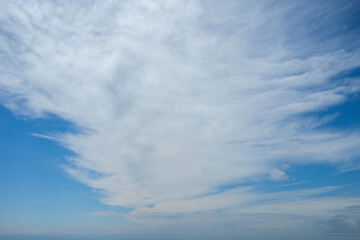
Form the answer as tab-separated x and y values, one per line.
285	166
278	175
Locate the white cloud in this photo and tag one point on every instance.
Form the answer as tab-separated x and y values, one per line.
278	175
175	97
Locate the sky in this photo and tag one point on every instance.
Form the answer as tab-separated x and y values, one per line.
179	119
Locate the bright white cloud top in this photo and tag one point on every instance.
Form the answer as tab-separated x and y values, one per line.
176	99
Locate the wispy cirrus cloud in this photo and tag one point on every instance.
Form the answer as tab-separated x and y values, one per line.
176	98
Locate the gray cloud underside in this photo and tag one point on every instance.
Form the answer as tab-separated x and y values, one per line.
176	98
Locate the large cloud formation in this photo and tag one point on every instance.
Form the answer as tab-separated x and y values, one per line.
175	99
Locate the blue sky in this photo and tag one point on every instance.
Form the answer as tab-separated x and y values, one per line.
180	119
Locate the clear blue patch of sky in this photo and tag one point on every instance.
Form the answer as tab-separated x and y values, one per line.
306	177
347	114
35	190
316	176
